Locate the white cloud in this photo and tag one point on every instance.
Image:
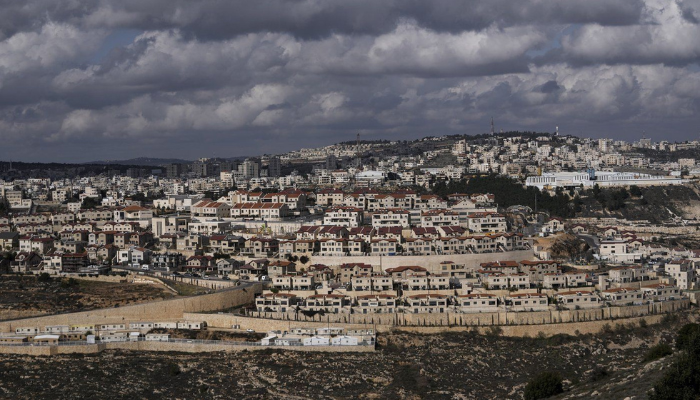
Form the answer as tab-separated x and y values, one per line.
54	45
665	37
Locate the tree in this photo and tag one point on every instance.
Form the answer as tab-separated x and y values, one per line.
682	378
686	334
138	197
4	206
635	191
303	259
659	351
509	192
544	385
89	203
44	277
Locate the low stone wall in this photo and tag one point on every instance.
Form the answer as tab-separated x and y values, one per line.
167	347
264	325
572	328
172	309
385	322
79	349
28	350
198	348
104	278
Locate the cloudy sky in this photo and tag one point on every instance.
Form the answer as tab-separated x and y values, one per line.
83	80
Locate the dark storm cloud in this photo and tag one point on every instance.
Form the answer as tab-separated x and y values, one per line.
318	18
690	10
218	19
245	77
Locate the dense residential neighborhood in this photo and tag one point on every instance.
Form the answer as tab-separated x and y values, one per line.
350	199
300	232
500	230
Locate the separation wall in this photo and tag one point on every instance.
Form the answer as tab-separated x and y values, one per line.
172	309
443	321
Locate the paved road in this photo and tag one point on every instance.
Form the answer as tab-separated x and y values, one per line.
592	240
211	283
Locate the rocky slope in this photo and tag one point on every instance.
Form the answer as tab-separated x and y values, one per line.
25	296
405	366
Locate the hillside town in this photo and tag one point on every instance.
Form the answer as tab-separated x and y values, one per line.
332	199
363	231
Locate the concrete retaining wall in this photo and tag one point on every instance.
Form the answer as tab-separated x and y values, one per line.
155	311
28	350
431	263
442	321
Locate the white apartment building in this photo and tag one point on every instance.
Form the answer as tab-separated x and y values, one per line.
392	217
349	217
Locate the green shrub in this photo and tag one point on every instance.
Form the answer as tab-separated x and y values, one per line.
559	339
669	319
44	277
70	282
682	378
685	334
659	351
598	373
544	385
494	330
174	369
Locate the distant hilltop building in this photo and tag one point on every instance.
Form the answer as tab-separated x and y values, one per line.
591	178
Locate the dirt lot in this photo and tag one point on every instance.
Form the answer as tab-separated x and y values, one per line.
24	296
212	334
405	366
